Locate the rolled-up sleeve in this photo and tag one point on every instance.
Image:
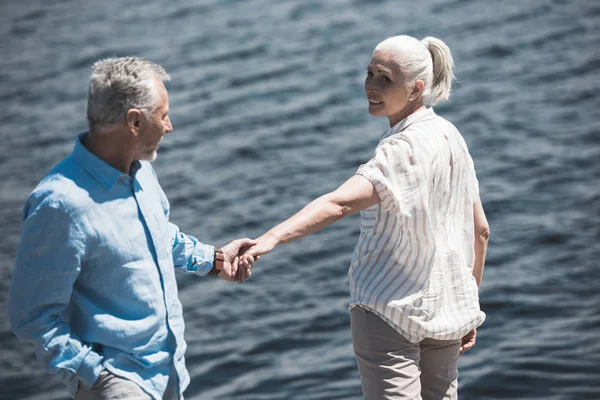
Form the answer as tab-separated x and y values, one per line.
189	255
48	263
396	174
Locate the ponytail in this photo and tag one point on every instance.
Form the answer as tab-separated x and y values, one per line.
443	69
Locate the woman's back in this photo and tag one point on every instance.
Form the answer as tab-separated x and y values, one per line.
413	263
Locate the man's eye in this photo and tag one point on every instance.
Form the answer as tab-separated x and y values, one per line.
385	79
369	73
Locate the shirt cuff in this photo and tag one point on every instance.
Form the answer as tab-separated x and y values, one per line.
90	368
202	259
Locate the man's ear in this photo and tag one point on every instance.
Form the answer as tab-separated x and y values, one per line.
417	90
134	120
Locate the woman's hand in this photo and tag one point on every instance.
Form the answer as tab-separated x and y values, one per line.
468	341
264	245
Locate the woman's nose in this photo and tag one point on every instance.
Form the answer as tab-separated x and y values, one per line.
370	89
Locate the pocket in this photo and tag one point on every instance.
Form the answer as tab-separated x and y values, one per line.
368	218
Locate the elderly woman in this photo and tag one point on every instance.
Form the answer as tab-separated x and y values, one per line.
417	267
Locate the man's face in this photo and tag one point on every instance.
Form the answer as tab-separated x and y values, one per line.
156	126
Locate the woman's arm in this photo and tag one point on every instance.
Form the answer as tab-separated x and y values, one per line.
356	194
482	235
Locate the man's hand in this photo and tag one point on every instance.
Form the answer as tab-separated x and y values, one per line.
231	255
468	341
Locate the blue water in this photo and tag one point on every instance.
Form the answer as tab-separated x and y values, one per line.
269	113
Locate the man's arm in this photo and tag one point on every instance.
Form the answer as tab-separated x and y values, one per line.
47	265
189	255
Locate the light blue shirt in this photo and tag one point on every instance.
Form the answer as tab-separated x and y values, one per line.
94	284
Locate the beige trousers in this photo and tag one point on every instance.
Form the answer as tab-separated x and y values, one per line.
112	387
390	367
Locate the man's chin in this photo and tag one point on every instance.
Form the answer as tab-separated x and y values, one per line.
149	156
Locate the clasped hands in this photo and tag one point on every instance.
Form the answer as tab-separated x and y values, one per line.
240	254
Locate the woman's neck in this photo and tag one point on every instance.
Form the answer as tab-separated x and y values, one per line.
406	111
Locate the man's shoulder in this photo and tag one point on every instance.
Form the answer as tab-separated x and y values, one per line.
61	188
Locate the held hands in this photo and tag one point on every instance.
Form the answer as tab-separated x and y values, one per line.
240	254
231	260
263	245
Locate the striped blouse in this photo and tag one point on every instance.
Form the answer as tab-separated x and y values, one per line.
414	259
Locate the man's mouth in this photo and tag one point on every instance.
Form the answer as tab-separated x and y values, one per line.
375	102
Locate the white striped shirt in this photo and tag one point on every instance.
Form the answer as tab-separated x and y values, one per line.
414	259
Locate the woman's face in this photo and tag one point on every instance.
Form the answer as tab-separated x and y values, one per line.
385	87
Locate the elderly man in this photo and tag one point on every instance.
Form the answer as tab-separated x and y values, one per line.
94	286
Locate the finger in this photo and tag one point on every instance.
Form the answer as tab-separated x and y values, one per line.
249	260
243	274
471	344
247	271
251	251
468	346
234	267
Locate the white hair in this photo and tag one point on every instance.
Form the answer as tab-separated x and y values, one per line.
428	60
120	84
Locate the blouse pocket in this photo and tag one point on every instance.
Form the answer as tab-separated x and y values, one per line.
368	218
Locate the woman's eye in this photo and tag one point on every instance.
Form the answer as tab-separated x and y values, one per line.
369	73
385	79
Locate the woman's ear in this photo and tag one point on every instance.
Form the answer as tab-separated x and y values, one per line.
417	89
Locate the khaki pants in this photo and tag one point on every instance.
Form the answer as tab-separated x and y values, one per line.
390	367
112	387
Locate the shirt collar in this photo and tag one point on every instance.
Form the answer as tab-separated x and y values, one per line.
101	171
421	115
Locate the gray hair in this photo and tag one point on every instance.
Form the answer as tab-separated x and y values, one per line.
119	84
428	60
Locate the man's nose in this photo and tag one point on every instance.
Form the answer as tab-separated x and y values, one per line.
169	125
